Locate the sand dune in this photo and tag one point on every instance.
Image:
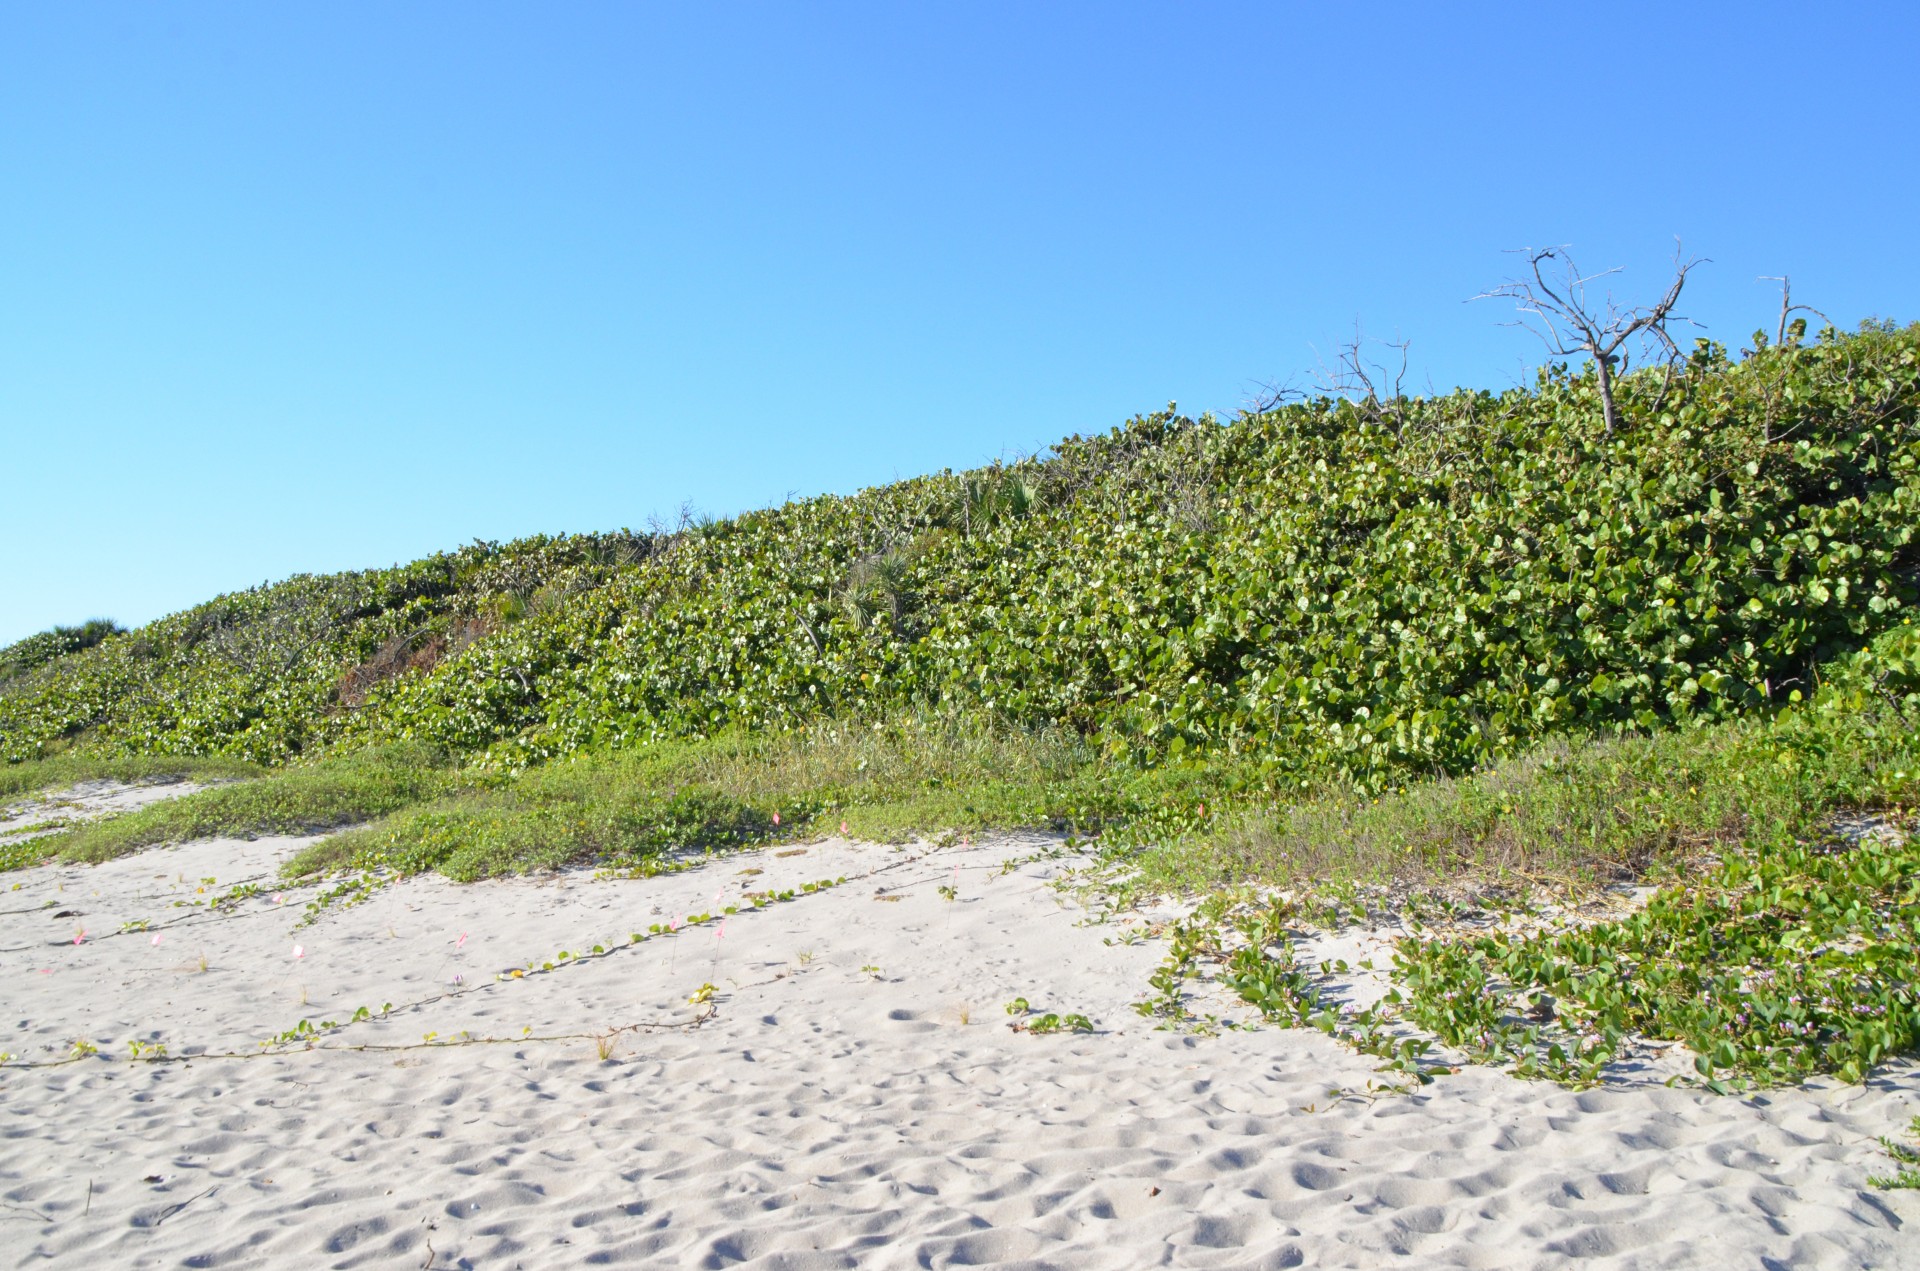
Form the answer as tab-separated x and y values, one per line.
851	1095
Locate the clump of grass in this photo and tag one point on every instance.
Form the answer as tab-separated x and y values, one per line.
1906	1160
543	820
910	774
340	791
916	774
65	770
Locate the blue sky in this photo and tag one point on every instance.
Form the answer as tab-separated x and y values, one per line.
302	288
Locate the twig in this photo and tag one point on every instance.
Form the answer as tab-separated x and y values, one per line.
171	1210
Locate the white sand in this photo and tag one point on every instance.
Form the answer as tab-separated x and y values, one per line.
822	1115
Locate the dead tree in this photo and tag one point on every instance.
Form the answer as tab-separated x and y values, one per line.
1557	310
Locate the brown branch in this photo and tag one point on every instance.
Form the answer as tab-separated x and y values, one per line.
1560	316
1788	308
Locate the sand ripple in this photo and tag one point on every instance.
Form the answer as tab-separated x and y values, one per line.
856	1100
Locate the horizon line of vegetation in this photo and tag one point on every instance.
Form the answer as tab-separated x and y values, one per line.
1488	637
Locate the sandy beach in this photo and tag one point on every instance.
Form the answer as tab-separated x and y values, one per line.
851	1093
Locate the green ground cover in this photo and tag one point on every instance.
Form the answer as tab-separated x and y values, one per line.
1462	641
68	769
1796	951
1784	942
345	789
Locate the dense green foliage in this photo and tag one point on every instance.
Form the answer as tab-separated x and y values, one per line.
273	673
1332	591
1333	642
37	650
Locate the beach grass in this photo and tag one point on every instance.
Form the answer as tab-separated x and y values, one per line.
911	776
341	790
412	808
1571	811
59	771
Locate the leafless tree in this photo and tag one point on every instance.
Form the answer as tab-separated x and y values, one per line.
1553	303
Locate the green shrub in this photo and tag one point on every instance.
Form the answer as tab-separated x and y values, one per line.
1309	591
37	650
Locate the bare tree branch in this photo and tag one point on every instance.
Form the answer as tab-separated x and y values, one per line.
1787	307
1269	395
1556	308
1362	380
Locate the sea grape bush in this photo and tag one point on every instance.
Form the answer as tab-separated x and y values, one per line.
1330	594
258	674
37	650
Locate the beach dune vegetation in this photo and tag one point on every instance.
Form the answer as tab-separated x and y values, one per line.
1476	636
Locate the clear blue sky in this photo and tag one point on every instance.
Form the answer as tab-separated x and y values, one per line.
310	287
